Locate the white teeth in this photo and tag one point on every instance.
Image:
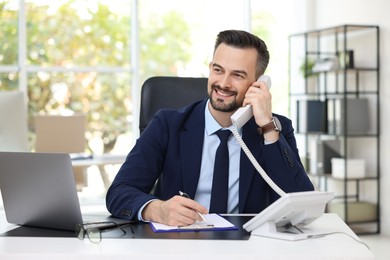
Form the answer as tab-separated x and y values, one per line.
224	94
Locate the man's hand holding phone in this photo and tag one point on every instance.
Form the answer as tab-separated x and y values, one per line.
257	95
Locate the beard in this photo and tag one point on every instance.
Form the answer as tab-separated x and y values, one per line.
220	105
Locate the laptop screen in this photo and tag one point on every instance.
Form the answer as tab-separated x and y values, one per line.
38	189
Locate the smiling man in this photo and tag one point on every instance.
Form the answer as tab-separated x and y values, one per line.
179	148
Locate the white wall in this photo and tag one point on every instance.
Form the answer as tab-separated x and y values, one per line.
327	13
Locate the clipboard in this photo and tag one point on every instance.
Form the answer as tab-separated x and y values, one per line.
214	222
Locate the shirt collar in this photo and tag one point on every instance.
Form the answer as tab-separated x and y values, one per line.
211	124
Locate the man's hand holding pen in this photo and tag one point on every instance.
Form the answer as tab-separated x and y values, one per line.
177	211
183	194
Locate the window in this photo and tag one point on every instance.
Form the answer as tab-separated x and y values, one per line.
9	39
75	56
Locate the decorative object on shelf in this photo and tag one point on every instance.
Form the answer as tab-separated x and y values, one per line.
326	64
356	116
346	59
311	116
307	67
322	153
348	168
357	211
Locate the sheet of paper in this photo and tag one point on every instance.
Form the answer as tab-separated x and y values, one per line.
214	222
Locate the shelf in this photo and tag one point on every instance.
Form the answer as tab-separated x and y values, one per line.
334	104
335	30
368	135
342	70
329	176
333	94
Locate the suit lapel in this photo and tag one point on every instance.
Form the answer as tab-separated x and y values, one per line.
191	145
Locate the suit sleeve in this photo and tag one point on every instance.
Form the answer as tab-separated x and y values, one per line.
136	178
282	162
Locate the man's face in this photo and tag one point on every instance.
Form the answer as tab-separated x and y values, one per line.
232	72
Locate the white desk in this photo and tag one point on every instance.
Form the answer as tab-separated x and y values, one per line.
100	161
336	246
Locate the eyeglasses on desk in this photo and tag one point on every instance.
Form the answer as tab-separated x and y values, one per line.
94	230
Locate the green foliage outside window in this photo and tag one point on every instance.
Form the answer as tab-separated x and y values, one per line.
94	38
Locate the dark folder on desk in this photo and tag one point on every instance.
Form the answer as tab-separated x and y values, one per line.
143	231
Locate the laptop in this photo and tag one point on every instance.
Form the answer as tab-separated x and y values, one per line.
39	189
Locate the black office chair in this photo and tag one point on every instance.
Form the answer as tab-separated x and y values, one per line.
169	92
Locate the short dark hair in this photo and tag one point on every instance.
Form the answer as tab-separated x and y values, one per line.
242	39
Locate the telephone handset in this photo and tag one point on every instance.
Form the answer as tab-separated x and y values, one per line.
239	118
243	114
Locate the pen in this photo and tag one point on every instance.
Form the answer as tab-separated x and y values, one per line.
196	227
183	194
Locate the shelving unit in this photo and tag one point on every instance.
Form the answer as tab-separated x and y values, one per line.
334	97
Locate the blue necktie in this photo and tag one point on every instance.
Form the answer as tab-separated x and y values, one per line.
219	190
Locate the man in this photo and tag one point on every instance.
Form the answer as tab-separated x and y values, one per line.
178	148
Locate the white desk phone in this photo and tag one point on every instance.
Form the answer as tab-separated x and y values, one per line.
286	217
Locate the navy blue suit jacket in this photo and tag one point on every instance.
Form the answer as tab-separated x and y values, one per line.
170	150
